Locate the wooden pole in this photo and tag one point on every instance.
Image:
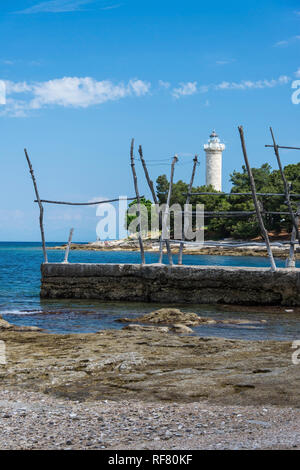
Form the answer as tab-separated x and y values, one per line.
155	200
161	247
149	181
285	185
68	246
169	252
40	206
234	213
94	203
240	194
160	250
174	161
256	202
138	201
187	202
283	147
290	262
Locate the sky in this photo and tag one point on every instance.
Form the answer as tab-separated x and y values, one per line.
83	77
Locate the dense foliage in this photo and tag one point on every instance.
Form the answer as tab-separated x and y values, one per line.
267	181
145	215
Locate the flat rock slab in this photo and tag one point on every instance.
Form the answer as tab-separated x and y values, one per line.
151	365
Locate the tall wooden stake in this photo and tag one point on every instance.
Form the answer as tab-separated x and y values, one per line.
285	185
256	202
68	246
40	206
174	161
186	203
149	181
290	262
155	200
138	201
160	250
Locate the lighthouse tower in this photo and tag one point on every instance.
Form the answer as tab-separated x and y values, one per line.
213	150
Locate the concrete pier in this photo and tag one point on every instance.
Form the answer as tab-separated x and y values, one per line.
171	284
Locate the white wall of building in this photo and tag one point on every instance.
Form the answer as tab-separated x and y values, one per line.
214	150
214	170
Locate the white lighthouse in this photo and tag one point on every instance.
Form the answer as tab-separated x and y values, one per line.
213	150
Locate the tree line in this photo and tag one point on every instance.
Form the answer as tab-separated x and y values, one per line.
239	227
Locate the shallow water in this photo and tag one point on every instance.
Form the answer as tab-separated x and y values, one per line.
20	303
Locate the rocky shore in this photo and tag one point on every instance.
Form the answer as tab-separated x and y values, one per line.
250	249
179	322
146	388
31	420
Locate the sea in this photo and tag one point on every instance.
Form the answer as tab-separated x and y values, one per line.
20	303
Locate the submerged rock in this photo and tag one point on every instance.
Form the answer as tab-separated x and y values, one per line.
233	321
167	316
5	325
179	328
175	316
162	329
27	328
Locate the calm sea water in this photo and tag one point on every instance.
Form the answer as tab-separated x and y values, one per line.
20	302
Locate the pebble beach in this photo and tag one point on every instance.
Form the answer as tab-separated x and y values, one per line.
33	421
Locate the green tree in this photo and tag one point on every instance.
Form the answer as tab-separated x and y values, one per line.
244	227
266	181
162	188
130	217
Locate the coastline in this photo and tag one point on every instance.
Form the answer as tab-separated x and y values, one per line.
174	391
153	247
126	389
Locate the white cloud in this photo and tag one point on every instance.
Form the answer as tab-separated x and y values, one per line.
76	92
225	61
287	42
73	92
56	6
185	89
283	80
281	43
7	62
2	93
12	62
297	73
248	84
83	92
164	84
64	6
111	7
139	87
17	87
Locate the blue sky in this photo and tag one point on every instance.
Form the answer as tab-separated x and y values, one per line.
83	77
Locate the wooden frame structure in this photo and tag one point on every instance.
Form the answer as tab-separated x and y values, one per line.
259	212
41	208
188	197
295	217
